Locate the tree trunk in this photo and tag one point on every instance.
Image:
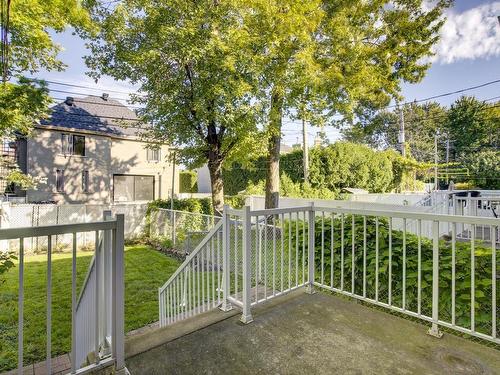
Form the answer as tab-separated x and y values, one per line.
216	182
273	156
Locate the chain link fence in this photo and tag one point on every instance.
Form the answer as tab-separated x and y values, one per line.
179	229
33	215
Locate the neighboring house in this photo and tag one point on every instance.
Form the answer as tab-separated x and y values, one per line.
88	152
204	185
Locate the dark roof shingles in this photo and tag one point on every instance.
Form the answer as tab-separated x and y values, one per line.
93	113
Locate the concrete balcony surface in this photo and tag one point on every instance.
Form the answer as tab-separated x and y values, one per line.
306	334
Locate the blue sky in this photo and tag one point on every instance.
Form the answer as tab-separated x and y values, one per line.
467	55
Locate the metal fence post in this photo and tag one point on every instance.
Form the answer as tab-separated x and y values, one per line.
310	251
118	296
246	317
226	305
174	234
434	330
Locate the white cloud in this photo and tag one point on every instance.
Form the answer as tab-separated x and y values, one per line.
470	35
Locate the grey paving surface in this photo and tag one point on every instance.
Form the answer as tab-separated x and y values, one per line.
316	334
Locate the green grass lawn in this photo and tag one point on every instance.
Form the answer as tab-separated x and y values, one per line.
145	271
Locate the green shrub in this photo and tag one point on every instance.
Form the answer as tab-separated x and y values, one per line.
188	182
331	168
484	168
6	262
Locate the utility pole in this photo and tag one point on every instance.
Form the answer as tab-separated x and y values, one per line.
305	148
447	159
401	137
436	183
173	183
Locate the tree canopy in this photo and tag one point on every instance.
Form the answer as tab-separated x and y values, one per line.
380	129
331	56
27	43
193	65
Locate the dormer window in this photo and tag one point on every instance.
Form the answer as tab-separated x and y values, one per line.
73	144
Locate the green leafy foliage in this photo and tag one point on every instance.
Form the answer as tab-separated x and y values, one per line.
194	63
6	263
380	129
484	168
22	105
344	230
336	166
31	47
194	205
188	182
472	125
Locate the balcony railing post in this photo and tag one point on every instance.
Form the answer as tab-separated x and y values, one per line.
434	330
246	317
311	250
105	319
226	305
118	342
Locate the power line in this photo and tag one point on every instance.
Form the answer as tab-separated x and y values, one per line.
84	87
78	100
82	93
448	93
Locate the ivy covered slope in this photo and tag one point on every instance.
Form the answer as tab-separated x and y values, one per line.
327	274
340	165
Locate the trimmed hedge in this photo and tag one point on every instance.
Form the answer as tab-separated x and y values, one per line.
337	166
188	182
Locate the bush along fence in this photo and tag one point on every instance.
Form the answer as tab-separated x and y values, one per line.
178	232
368	255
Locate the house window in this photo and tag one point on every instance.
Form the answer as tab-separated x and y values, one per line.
66	140
73	144
79	145
128	188
60	180
153	154
85	181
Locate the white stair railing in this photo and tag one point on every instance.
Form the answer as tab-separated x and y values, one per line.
196	286
94	304
89	325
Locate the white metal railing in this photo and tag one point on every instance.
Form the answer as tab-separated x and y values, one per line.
195	287
434	275
97	314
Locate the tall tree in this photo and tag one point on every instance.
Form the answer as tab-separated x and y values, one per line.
194	67
340	52
26	27
381	129
26	47
473	125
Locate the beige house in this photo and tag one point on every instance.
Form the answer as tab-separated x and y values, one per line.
89	152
